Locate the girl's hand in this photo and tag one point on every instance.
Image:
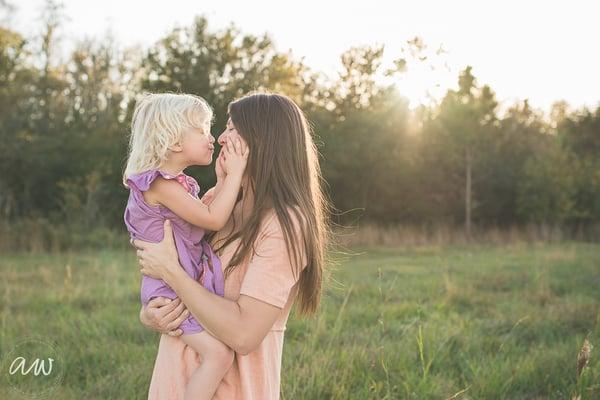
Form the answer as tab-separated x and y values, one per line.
236	156
219	167
159	260
164	315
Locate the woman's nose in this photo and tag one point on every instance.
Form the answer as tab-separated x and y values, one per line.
222	138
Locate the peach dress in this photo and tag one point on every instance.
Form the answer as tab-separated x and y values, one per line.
256	376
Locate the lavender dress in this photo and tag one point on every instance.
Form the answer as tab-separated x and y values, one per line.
145	222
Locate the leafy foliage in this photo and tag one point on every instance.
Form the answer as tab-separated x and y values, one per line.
64	127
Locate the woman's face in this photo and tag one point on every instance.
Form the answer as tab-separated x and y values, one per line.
229	133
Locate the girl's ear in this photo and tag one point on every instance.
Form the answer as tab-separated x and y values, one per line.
176	148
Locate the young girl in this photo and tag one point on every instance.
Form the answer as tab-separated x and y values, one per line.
169	133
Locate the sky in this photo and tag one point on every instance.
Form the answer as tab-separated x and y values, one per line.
543	51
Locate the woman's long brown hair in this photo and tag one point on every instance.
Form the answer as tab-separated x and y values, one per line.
284	175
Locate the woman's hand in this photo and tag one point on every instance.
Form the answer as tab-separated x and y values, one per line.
235	156
164	315
159	260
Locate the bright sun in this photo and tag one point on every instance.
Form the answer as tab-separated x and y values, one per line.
426	75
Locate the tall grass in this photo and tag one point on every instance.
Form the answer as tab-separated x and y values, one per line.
43	235
444	235
40	235
433	322
451	323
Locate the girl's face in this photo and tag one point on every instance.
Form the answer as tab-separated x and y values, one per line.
198	146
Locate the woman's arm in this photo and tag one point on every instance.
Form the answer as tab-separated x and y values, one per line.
241	324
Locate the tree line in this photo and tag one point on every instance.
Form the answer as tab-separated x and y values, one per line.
64	125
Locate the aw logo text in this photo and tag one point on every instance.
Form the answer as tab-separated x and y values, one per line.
33	367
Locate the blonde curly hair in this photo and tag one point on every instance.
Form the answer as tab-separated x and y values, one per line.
159	121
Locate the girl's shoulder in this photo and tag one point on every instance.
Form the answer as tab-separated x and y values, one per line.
143	180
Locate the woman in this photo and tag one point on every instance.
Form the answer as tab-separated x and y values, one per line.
272	251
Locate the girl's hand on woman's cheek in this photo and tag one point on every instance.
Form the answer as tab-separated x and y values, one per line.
219	167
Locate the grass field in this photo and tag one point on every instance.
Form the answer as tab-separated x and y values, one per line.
480	322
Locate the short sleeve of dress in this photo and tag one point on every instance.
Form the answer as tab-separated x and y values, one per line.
269	276
143	180
193	185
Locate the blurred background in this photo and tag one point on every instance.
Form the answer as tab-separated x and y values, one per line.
459	142
410	134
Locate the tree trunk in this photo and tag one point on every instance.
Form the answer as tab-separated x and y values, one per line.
468	192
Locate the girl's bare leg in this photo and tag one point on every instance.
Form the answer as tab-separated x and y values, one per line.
215	359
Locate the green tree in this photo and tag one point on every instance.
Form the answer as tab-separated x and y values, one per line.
456	139
96	77
16	92
222	66
579	133
363	134
546	191
521	134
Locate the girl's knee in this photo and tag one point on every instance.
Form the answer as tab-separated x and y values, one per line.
227	355
221	355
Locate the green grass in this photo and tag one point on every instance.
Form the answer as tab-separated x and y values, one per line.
423	323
